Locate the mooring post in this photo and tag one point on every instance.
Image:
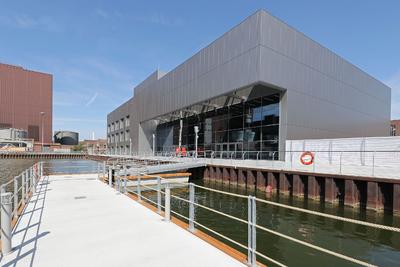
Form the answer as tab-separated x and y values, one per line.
16	197
191	207
6	210
159	194
251	231
167	213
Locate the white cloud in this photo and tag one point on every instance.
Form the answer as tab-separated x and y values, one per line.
394	83
92	99
24	21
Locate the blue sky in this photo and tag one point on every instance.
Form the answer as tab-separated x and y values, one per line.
99	50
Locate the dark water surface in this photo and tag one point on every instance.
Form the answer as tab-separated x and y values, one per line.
375	246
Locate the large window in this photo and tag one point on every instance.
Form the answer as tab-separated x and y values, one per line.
252	125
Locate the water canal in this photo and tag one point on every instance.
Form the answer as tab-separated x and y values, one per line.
375	246
379	247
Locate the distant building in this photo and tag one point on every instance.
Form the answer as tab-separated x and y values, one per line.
66	138
395	127
26	100
98	146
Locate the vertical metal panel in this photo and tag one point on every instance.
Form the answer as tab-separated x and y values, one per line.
325	97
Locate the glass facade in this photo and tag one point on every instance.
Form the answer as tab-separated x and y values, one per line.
251	125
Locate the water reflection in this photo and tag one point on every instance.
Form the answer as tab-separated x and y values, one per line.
378	247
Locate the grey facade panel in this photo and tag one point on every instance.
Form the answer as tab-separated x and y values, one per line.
324	95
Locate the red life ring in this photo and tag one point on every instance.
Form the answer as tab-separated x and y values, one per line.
307	158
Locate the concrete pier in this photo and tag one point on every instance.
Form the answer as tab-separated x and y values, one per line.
76	220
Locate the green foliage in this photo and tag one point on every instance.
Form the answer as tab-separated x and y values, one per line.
78	147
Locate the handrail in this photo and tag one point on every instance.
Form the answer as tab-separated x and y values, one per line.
10	202
251	223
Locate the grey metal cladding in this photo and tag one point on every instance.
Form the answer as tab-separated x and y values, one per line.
325	97
120	112
228	63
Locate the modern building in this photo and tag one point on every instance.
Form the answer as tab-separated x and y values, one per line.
255	87
26	101
66	138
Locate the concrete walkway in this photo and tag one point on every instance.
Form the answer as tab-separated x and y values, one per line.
78	221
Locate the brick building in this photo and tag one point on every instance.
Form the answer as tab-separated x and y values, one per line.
26	101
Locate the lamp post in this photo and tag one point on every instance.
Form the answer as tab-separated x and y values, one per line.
42	122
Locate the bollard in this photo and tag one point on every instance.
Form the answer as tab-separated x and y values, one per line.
98	171
167	213
191	207
139	193
110	176
6	229
159	195
125	191
16	197
251	232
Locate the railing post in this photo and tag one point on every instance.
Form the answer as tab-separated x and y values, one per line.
167	213
110	176
41	170
251	231
98	171
104	169
191	207
159	195
6	210
16	197
373	164
119	183
33	179
23	187
27	177
139	193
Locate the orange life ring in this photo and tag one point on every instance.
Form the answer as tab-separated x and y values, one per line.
307	158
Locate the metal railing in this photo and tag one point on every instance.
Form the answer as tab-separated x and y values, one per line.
382	163
163	188
14	196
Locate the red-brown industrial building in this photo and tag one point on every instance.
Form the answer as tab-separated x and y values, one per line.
26	101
